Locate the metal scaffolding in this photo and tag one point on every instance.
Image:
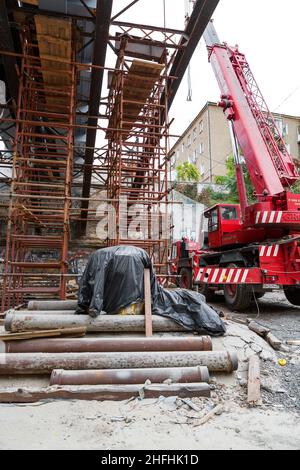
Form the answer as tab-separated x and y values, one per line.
137	155
42	173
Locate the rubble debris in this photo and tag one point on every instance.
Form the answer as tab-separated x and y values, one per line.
258	329
214	412
273	341
103	392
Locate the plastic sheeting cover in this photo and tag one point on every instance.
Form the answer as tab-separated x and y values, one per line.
114	279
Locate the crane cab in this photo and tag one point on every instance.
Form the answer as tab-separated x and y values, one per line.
224	221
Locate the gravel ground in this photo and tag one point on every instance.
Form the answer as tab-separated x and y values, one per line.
280	385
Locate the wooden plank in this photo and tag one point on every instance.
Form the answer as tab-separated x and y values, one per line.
54	39
103	392
254	396
138	85
148	308
293	342
75	331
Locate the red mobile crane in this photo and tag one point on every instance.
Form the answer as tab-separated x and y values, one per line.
250	248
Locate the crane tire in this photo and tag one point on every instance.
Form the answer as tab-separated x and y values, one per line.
238	297
292	295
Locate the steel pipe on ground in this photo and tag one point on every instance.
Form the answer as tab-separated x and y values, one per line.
44	363
104	392
52	305
103	323
129	376
186	343
41	312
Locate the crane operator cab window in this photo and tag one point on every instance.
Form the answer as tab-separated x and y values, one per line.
213	221
229	213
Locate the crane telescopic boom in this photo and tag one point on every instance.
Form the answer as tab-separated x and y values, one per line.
270	165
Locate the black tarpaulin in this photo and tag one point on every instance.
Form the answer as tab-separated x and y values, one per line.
114	279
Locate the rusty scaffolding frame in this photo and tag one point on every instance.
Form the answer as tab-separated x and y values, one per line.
137	178
39	208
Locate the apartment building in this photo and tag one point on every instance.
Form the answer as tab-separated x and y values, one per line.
206	142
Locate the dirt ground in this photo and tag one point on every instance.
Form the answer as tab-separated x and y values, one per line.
172	423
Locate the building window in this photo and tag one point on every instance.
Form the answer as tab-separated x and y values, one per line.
189	140
279	125
182	147
201	148
285	130
194	134
194	156
202	170
177	155
288	146
200	127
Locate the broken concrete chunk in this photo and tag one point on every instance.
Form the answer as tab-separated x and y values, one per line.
258	329
273	341
266	356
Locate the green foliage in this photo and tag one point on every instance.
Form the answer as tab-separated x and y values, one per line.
188	172
230	183
296	188
208	196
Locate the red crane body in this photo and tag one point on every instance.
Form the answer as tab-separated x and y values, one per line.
250	248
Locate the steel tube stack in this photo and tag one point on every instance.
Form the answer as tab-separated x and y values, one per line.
102	367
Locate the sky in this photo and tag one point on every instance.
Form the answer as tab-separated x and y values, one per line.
267	32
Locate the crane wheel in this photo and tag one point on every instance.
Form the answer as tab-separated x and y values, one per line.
238	297
186	279
293	295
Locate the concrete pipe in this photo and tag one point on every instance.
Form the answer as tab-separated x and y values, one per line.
44	363
52	305
186	343
104	323
129	376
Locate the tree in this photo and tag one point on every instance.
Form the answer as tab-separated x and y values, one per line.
229	181
187	172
